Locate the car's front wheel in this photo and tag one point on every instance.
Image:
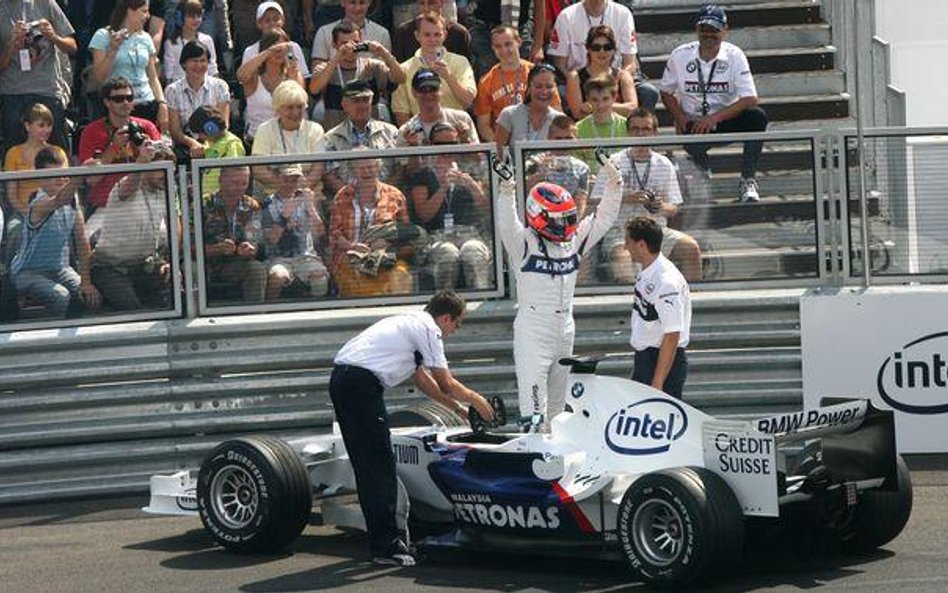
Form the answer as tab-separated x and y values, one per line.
254	494
680	525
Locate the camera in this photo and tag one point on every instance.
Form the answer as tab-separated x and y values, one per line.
652	202
361	47
33	30
136	134
152	264
290	56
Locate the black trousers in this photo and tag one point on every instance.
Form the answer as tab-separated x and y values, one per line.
750	120
357	398
644	370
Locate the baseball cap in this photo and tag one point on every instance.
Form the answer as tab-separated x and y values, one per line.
425	78
287	170
265	6
357	88
711	15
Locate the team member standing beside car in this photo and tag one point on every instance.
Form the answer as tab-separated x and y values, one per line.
545	257
661	311
386	354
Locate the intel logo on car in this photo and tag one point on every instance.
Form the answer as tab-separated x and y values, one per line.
646	427
914	379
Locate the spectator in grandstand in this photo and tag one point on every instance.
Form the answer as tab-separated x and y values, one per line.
451	68
380	71
293	231
559	166
38	121
651	189
86	18
483	19
544	15
210	129
35	42
601	49
269	18
454	208
370	236
457	38
602	122
232	235
288	133
708	88
196	89
355	14
115	138
358	128
131	262
156	22
125	49
53	237
571	30
531	119
506	82
191	13
260	76
426	91
661	311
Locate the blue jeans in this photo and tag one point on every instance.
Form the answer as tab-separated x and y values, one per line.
53	288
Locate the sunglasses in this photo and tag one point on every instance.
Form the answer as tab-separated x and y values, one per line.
121	98
601	47
427	89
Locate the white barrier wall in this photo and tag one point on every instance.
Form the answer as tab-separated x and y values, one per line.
888	344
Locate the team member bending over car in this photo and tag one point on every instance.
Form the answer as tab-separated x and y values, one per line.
661	311
545	257
384	355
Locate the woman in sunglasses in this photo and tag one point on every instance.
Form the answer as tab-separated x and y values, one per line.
531	119
600	53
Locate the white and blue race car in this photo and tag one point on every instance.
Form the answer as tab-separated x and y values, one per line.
626	472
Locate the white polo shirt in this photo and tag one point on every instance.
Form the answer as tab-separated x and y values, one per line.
573	24
661	305
690	79
390	348
656	175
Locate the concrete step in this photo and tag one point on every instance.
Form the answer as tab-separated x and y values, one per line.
791	107
662	15
748	39
790	59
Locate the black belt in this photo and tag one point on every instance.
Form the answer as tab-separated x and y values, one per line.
358	371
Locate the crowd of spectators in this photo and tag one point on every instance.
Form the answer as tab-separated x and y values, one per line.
137	81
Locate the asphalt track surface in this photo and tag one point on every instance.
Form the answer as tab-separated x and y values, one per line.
109	546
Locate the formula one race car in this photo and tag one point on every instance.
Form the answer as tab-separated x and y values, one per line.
626	472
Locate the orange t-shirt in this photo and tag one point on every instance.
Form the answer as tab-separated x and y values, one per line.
498	89
16	161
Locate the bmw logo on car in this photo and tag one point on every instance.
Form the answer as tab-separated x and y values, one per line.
578	390
646	427
915	379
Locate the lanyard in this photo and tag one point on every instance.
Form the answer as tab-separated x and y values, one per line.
357	138
9	11
602	17
705	107
642	180
363	214
356	76
296	140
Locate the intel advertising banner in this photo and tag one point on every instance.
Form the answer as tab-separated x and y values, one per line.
887	344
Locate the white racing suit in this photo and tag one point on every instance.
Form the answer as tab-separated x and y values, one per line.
545	273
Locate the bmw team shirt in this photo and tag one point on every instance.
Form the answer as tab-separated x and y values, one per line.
393	348
661	305
721	82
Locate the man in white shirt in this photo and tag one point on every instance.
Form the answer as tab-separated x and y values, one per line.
661	311
355	13
568	41
386	354
708	88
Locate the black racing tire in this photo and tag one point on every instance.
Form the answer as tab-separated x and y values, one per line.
879	517
679	526
254	494
426	413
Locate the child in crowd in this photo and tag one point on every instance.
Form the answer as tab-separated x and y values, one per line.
207	124
53	236
38	121
603	122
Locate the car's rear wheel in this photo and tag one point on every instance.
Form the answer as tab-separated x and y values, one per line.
426	413
254	494
679	525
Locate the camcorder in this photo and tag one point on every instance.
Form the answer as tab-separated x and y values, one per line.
136	134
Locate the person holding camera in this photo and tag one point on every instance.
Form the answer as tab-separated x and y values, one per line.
125	49
262	74
115	138
426	90
36	40
375	66
356	11
131	262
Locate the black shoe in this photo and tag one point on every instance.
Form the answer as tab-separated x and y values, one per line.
398	555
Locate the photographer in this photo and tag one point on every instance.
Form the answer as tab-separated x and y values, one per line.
131	261
115	138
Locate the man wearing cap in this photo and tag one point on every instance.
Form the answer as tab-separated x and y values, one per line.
270	16
380	71
708	88
292	233
426	90
196	89
454	70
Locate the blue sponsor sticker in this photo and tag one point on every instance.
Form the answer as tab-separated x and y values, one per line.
578	390
646	427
